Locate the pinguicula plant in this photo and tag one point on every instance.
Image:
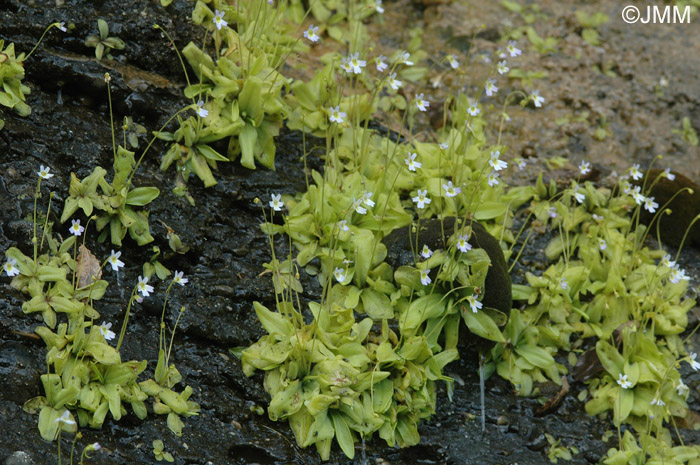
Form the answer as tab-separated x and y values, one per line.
104	43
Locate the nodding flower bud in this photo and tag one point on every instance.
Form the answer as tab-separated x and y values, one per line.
256	200
107	78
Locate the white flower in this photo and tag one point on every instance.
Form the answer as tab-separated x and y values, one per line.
667	174
201	111
537	99
62	27
666	261
65	419
404	58
473	109
450	190
75	228
411	162
106	332
113	260
346	65
339	274
493	178
512	49
218	19
694	364
367	199
96	446
474	304
584	167
421	199
490	87
563	283
425	278
421	103
578	195
626	186
637	195
463	245
179	279
9	267
381	64
276	203
650	205
657	401
602	244
681	387
336	116
312	33
347	262
343	225
635	173
521	162
444	146
357	205
355	64
677	275
393	82
378	6
598	218
552	212
144	288
502	67
495	162
44	172
426	252
452	61
622	381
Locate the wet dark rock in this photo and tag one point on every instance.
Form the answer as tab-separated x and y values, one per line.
19	458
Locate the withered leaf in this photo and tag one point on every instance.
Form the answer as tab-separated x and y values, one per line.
89	269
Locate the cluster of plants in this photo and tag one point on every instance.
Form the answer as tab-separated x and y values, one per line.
366	355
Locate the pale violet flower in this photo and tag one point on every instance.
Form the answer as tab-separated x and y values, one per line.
693	363
637	195
463	245
312	33
496	163
454	64
393	82
65	418
143	287
563	283
62	27
95	446
426	252
537	99
339	274
473	109
521	162
276	203
682	388
9	267
335	115
584	167
357	205
179	279
450	190
347	262
381	64
677	275
355	63
404	58
657	401
667	174
490	87
622	381
635	173
503	67
411	162
598	218
666	261
346	66
378	6
444	146
75	228
44	172
421	200
474	304
114	261
602	244
580	197
201	111
421	103
493	178
626	186
218	19
343	225
106	332
650	205
512	49
552	212
367	199
425	278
